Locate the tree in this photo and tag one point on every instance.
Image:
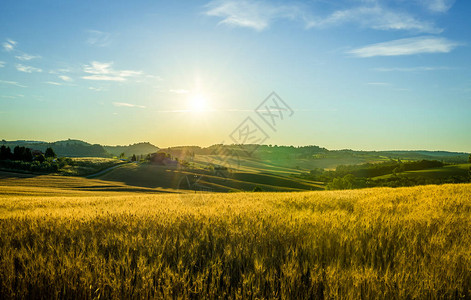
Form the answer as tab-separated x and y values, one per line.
40	158
50	153
19	153
5	153
469	159
133	158
28	156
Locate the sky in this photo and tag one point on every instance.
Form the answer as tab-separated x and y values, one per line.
348	74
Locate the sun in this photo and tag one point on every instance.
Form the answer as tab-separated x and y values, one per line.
198	103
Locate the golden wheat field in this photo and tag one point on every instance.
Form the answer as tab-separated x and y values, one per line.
405	243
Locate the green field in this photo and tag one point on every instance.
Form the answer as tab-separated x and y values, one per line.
156	176
71	237
436	173
81	166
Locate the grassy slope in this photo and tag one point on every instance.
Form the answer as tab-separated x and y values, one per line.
148	175
24	184
286	166
89	165
386	243
443	172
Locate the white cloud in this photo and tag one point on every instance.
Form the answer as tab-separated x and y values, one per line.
12	83
27	69
123	104
439	6
376	17
98	38
26	57
96	89
104	72
409	46
2	64
259	15
412	69
9	45
65	78
179	91
13	97
53	83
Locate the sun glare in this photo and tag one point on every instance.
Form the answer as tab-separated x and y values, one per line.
198	104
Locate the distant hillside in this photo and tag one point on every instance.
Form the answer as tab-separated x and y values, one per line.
315	154
449	157
138	149
312	156
71	148
78	148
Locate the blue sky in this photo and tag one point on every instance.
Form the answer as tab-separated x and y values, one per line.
367	75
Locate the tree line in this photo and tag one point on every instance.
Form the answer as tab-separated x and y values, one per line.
360	176
24	154
23	158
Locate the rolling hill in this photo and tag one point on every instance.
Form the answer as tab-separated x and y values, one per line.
78	148
436	173
137	149
156	176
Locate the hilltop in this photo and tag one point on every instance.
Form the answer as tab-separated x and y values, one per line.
78	148
322	157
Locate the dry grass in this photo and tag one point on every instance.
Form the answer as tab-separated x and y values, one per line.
372	243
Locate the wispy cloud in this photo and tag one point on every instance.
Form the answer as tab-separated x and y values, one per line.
412	69
2	64
409	46
179	91
376	17
65	78
259	15
26	57
104	72
7	97
124	104
9	45
12	83
12	97
98	38
96	89
53	83
27	69
439	6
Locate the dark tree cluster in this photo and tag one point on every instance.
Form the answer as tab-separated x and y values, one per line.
24	154
19	153
5	153
23	158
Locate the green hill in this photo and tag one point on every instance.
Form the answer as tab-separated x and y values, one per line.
70	148
78	148
156	176
137	149
435	173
